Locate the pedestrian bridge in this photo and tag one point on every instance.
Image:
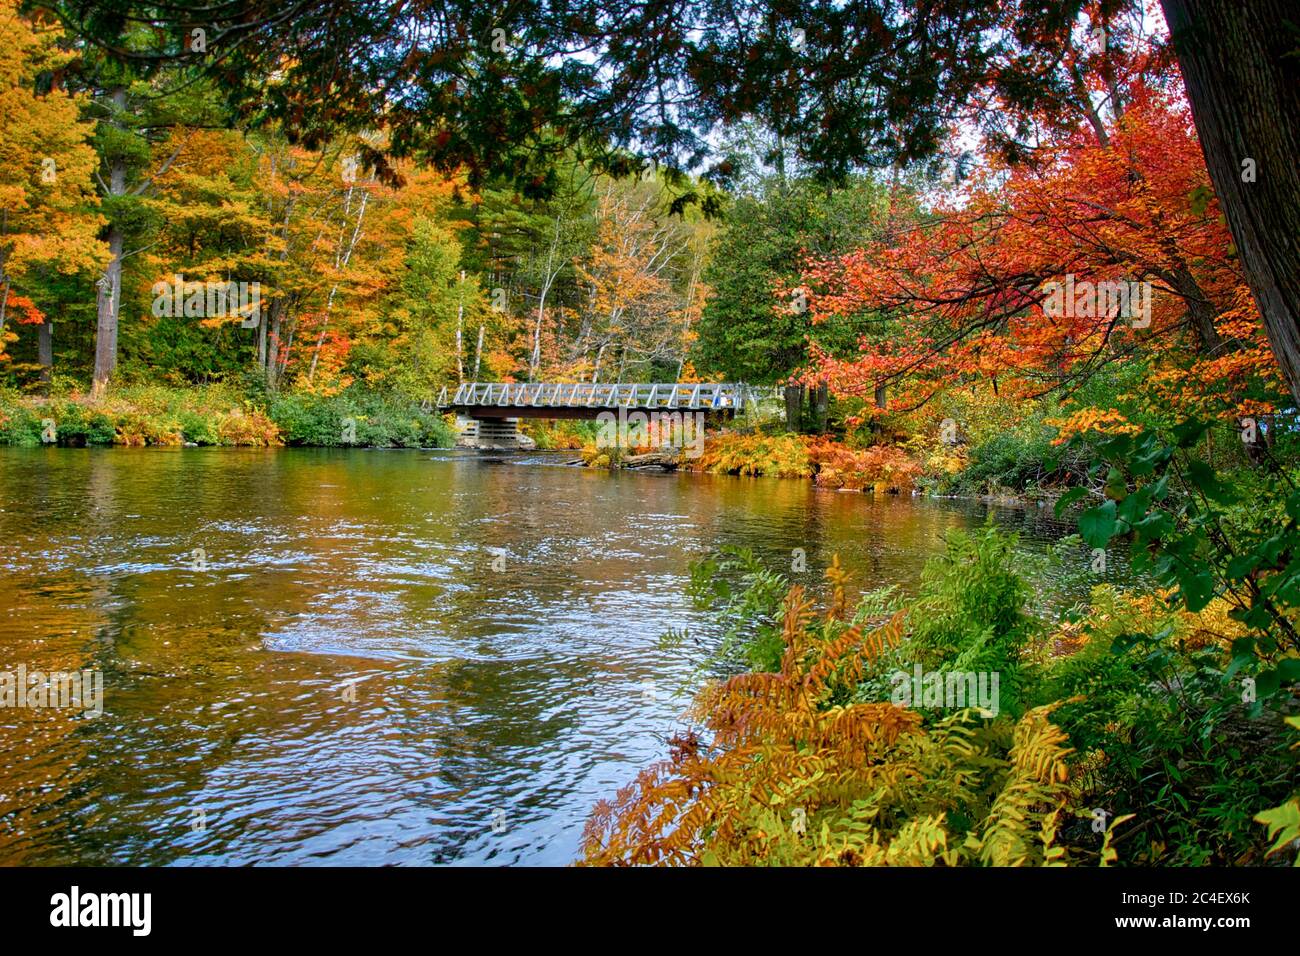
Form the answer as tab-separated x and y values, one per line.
588	400
488	413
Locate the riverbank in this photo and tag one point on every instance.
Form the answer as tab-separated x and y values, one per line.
219	415
884	469
969	725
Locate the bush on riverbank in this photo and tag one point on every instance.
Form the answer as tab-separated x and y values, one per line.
216	415
978	443
358	418
1118	733
557	435
754	454
880	468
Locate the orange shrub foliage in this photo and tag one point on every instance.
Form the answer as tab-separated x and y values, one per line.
881	468
773	456
1106	421
251	427
776	722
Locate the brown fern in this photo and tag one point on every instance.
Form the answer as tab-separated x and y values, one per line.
781	775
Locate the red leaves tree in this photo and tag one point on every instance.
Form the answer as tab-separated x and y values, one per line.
966	292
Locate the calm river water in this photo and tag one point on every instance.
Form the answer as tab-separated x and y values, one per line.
376	657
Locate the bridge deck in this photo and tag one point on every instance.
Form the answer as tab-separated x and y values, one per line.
587	400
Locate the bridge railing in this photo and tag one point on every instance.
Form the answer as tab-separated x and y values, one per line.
694	396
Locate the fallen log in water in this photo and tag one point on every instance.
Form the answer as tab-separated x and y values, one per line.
665	458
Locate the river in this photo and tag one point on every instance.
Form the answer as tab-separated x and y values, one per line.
371	657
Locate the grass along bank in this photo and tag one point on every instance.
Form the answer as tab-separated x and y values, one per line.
219	415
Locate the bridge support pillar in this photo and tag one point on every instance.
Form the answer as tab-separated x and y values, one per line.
496	434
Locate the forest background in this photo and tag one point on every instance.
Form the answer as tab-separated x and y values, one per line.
907	307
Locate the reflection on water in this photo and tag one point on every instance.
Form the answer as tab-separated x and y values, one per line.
350	679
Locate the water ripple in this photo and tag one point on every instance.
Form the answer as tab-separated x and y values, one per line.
407	658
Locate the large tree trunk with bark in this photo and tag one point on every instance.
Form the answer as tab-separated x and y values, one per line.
1242	75
109	298
107	307
821	407
794	407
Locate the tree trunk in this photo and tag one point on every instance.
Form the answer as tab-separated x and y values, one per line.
535	359
108	301
4	302
45	353
665	458
478	351
821	406
284	355
1243	82
793	407
271	355
269	345
339	264
460	330
107	307
1200	313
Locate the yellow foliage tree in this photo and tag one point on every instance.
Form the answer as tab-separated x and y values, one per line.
47	219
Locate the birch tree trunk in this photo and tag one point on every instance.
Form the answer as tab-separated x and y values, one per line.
339	266
535	362
460	329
